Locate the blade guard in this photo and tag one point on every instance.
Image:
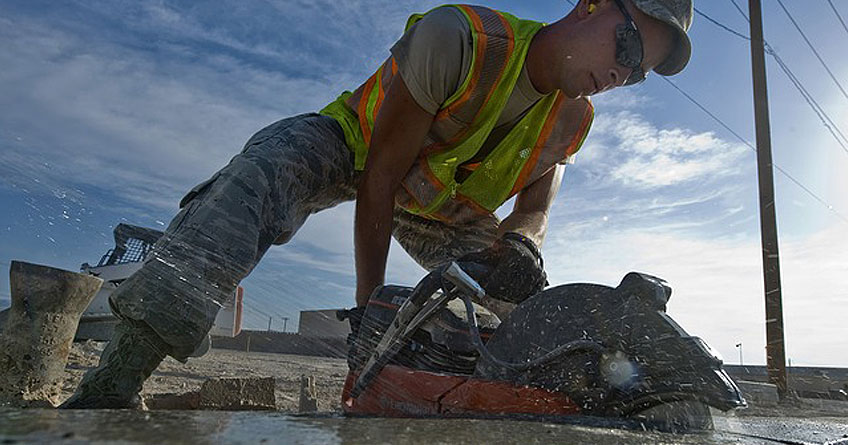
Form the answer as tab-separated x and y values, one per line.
649	358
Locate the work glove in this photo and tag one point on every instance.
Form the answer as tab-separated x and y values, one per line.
515	270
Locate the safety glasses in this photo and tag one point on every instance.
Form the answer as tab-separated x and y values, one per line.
628	47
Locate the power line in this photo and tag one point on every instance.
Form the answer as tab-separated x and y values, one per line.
804	93
797	83
259	315
830	2
812	48
722	26
751	146
708	112
831	126
822	115
264	309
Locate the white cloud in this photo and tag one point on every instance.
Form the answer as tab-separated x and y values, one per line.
622	99
109	113
718	290
160	104
643	156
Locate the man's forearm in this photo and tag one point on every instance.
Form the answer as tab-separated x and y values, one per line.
372	232
399	130
529	216
533	225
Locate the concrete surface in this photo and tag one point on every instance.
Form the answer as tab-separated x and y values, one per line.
803	422
238	394
196	427
758	392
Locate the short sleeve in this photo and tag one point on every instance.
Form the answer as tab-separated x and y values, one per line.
569	160
433	57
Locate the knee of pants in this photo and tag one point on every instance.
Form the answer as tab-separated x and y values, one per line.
179	324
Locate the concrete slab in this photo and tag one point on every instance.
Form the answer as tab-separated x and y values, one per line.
235	394
226	394
758	392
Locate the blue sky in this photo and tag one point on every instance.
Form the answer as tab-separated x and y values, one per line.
111	110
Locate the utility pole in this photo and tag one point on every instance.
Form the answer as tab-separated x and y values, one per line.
285	322
775	349
739	345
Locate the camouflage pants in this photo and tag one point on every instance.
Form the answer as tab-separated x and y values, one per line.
286	172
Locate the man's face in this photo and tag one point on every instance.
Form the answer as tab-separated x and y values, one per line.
605	50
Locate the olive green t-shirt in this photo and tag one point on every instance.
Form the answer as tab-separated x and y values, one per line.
434	57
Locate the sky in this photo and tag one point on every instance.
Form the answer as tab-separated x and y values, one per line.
111	110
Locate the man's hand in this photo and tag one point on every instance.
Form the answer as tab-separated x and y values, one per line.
399	132
515	268
515	261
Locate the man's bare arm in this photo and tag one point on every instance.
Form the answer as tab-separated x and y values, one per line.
399	131
529	217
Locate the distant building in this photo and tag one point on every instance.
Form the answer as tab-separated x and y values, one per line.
322	324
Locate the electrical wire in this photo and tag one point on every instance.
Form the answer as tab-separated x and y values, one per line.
262	312
844	26
831	126
822	115
812	48
817	109
722	26
751	146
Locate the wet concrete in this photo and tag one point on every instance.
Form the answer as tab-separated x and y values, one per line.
52	426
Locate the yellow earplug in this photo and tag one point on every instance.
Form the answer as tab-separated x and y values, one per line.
592	8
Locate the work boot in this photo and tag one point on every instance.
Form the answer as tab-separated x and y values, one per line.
133	354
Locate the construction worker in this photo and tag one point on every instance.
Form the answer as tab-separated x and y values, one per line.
473	106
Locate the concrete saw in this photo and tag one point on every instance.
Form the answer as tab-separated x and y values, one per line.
574	350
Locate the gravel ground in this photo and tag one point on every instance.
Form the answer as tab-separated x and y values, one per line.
175	377
329	373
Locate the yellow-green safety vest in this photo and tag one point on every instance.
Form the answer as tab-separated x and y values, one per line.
553	129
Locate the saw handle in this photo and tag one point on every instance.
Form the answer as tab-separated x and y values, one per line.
463	282
396	336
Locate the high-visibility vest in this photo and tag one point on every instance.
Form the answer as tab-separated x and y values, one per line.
550	131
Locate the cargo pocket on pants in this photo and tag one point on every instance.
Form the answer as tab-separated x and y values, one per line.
196	190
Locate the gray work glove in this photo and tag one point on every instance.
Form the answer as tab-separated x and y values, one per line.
515	268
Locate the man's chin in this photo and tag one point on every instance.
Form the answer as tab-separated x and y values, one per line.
572	93
578	95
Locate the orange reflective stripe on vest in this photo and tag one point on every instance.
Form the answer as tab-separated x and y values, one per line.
551	130
560	126
488	64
